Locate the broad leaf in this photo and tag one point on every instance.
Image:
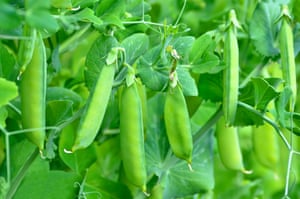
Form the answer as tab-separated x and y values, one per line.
3	116
263	93
49	184
210	87
9	91
60	93
58	111
79	160
187	82
263	28
135	46
172	171
96	58
8	64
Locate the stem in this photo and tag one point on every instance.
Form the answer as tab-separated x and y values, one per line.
254	72
19	177
7	146
286	191
250	108
212	120
181	13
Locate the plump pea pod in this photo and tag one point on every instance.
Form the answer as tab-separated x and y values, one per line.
95	108
33	94
286	45
132	137
177	124
26	47
228	146
231	71
265	145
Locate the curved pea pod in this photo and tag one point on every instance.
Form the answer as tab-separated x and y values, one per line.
286	45
95	108
229	146
132	137
178	126
33	94
231	71
265	145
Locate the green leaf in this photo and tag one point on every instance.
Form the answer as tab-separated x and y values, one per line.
79	160
187	82
42	19
111	7
153	76
98	187
263	93
182	45
61	3
263	28
8	64
246	117
109	159
210	87
202	44
297	38
49	184
58	111
88	15
281	103
9	91
3	116
135	46
10	17
173	172
96	58
60	93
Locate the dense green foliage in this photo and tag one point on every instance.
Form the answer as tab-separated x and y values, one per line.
96	97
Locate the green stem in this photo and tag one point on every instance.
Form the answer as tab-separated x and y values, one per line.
266	119
19	177
208	125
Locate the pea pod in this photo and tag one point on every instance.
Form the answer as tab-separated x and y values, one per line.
132	136
228	146
231	71
95	108
286	45
265	145
177	123
33	94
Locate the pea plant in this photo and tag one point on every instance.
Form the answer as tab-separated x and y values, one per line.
157	99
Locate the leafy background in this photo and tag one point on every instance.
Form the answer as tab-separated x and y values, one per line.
75	33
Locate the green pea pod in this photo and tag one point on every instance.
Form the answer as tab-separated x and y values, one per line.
33	94
286	45
178	125
231	71
132	137
95	108
228	146
265	145
2	149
